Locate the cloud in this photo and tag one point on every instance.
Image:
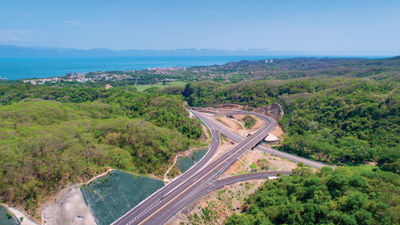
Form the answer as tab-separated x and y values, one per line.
16	36
74	23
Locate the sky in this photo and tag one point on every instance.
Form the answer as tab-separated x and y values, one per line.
312	26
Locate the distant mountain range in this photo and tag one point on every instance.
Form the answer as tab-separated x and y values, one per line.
11	51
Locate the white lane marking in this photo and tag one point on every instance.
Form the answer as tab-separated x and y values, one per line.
229	157
150	207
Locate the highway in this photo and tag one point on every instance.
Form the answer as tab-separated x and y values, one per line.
236	137
201	178
203	181
249	176
152	200
174	208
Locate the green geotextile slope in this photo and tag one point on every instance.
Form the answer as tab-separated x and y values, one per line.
185	162
7	218
111	196
197	155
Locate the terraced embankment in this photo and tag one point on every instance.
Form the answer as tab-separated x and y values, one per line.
112	195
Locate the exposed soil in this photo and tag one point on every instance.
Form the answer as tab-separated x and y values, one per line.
254	156
279	164
278	132
274	110
258	125
236	124
236	168
68	208
230	123
231	106
221	204
100	175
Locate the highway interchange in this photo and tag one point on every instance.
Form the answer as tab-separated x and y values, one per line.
202	178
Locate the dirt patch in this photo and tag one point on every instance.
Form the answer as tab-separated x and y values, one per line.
279	164
255	159
236	124
68	208
274	110
100	175
278	132
257	126
217	206
230	123
236	168
231	106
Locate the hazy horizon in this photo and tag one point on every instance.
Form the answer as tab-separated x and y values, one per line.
193	51
353	27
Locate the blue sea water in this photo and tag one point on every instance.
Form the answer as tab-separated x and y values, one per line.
23	68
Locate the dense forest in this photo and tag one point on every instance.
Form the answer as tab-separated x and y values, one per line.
344	112
336	120
347	195
50	137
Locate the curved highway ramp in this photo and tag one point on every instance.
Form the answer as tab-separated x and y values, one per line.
202	178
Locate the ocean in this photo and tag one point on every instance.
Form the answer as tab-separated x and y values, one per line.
25	68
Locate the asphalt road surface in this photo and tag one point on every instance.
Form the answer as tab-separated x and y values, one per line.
203	176
236	137
153	200
164	216
203	181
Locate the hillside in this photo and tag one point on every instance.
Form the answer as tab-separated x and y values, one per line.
46	144
336	120
344	119
348	195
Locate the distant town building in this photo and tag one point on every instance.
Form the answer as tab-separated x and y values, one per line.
269	61
79	77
